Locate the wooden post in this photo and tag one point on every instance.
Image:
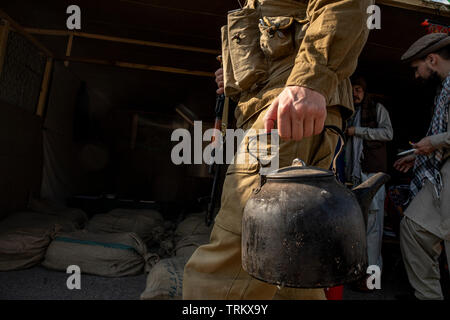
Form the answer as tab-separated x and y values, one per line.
69	49
44	88
4	30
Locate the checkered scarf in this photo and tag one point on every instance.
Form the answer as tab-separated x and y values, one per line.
428	166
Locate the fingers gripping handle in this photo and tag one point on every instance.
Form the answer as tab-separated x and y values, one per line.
335	129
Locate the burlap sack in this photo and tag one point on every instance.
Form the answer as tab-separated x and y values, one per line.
188	244
77	216
165	280
141	222
108	255
27	219
24	248
193	224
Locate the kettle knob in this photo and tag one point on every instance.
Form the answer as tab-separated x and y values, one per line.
298	162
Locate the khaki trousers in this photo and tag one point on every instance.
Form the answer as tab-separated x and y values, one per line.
215	270
421	250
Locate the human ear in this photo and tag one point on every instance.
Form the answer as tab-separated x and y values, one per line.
431	59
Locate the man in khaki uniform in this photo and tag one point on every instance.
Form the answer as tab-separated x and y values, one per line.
287	63
427	219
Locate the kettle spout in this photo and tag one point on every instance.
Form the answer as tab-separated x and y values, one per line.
366	191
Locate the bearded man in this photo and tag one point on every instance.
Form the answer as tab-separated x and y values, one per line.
427	219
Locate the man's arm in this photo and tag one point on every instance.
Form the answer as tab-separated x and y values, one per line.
328	54
384	132
441	140
333	42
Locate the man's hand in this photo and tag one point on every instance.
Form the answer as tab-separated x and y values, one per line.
405	163
299	112
424	146
350	131
219	81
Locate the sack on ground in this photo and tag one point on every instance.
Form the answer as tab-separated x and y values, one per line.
188	244
140	222
24	248
28	219
165	280
193	224
108	255
77	216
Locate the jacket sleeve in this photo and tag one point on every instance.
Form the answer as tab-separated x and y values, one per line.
332	44
441	140
384	132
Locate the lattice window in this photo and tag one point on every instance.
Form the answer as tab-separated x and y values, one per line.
21	77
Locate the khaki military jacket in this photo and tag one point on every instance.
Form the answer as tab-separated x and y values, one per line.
270	44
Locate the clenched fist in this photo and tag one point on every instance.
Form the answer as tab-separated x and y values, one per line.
219	81
299	112
424	146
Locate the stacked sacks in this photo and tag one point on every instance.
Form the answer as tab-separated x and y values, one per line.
77	217
113	244
190	234
24	248
25	236
165	279
102	254
141	222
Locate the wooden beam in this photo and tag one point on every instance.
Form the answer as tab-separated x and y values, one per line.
51	32
44	88
130	65
4	30
69	49
17	27
416	5
152	5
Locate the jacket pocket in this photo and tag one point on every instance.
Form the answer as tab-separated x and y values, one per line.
277	37
243	162
247	59
231	88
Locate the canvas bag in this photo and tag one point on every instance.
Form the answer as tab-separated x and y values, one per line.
28	219
191	233
77	216
24	248
25	236
108	255
193	224
142	222
165	280
188	244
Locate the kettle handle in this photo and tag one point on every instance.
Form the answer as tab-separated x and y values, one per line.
335	129
343	141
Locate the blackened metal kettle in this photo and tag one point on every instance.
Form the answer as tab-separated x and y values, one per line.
302	228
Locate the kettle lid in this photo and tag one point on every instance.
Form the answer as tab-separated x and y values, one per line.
299	170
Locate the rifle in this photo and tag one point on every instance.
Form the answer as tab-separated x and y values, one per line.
215	168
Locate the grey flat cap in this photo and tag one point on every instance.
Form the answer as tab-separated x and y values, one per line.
427	44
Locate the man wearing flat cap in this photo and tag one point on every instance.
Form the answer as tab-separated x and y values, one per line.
427	219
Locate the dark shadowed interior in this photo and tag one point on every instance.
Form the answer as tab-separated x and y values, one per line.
109	115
